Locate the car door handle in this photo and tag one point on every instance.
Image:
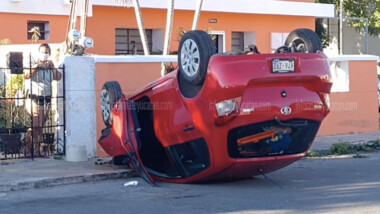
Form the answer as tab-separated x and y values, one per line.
189	128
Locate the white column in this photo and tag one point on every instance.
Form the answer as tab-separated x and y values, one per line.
80	103
196	14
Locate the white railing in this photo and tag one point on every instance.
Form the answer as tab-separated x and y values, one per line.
353	58
134	59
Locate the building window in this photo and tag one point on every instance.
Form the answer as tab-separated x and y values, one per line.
277	40
44	29
128	41
237	43
241	40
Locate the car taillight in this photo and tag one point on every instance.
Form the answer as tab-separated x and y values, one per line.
226	110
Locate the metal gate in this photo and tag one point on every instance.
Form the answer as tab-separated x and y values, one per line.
31	124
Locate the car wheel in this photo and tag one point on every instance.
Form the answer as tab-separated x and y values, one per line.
304	41
194	52
110	94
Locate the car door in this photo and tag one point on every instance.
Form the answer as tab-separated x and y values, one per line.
132	141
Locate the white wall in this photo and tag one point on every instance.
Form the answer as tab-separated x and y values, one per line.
249	38
52	7
60	7
277	40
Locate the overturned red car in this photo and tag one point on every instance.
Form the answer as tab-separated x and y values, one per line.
221	116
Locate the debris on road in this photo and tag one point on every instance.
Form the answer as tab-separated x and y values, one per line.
131	183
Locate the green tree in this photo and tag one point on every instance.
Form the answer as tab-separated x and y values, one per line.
369	9
364	9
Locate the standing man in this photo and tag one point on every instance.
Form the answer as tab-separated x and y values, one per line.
41	77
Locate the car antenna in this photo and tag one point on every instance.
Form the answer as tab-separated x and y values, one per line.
273	182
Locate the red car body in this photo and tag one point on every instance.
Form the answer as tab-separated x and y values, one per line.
275	119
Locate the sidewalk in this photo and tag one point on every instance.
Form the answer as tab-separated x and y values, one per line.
325	142
22	174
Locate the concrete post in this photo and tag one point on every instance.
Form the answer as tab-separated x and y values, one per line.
80	103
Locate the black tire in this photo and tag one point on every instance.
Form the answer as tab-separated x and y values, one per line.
304	41
194	52
110	94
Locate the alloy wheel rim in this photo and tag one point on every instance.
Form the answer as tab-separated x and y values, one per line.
300	46
190	58
105	104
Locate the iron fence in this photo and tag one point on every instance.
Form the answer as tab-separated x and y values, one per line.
32	123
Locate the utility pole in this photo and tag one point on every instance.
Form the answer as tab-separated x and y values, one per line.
168	33
140	25
341	28
83	18
196	14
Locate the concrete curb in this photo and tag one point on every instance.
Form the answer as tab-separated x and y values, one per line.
57	181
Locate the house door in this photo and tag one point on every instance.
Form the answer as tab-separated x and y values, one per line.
219	41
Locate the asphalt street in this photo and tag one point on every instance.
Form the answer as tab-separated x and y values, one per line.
330	185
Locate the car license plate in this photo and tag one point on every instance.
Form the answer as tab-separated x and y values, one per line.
283	66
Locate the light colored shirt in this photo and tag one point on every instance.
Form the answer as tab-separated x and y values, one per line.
41	82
